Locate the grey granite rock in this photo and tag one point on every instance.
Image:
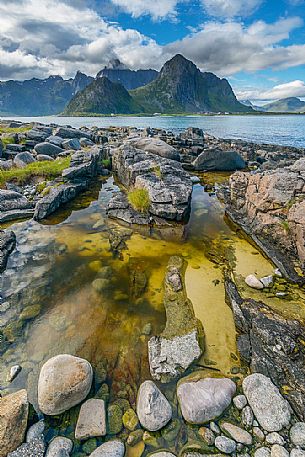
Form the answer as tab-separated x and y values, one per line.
153	409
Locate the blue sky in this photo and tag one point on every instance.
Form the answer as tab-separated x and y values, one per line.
259	46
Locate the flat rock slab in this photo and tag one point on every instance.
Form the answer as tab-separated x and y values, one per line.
271	410
109	449
153	409
64	381
91	420
204	399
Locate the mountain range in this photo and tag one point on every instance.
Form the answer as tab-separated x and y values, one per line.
180	87
284	105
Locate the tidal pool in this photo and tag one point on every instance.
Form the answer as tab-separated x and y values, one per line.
85	285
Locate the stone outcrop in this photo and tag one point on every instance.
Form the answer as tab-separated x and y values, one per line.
84	167
181	342
14	409
7	245
271	345
269	206
204	399
14	205
168	185
64	381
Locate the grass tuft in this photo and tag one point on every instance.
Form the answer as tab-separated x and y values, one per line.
139	200
46	170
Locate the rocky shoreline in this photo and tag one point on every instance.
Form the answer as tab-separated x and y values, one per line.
186	410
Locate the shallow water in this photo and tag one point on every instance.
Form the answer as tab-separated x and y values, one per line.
86	302
284	129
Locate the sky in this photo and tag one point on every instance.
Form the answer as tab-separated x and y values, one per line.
258	45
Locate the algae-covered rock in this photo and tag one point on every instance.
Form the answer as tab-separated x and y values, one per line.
135	437
170	431
130	419
180	344
115	423
152	439
30	312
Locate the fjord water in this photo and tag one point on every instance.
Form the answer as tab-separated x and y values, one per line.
285	130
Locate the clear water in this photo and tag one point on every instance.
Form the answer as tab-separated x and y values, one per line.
284	130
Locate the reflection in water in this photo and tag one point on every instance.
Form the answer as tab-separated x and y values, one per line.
77	295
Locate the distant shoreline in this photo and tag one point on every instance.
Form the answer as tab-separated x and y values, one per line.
96	115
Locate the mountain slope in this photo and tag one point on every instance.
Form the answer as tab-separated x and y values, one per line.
103	97
39	97
286	105
182	87
115	71
249	103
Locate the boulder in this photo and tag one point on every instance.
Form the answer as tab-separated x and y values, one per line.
56	198
44	158
53	139
68	132
297	434
83	165
271	410
59	447
23	159
155	146
72	143
110	449
14	409
48	149
218	160
91	420
153	409
37	135
202	400
64	381
6	164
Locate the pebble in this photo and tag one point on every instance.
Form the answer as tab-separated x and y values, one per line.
240	401
297	453
110	449
262	452
14	371
267	281
207	435
35	431
214	427
279	451
237	433
247	416
153	409
253	282
275	438
91	420
225	444
59	447
258	433
297	434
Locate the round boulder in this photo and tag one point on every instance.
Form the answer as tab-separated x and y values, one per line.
153	409
110	449
23	159
205	399
297	434
270	408
48	149
59	447
64	381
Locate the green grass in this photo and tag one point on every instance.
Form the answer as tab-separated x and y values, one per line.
106	163
14	130
139	200
46	170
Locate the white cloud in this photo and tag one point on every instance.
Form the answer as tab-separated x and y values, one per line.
158	9
231	8
231	47
43	37
291	89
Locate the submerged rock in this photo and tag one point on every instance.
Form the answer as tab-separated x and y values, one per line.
204	399
91	420
172	353
110	449
153	409
270	409
64	381
14	409
59	447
